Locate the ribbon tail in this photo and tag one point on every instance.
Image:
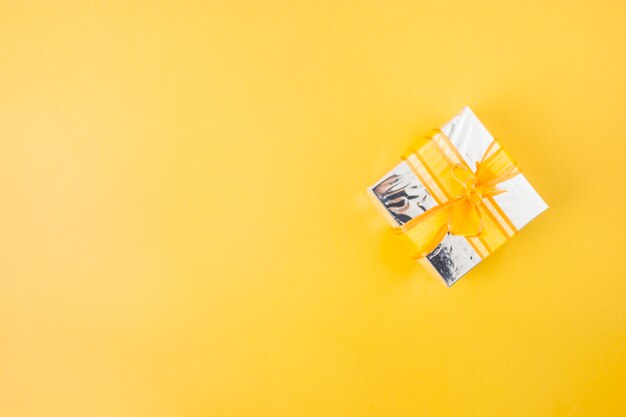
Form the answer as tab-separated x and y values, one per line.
428	230
504	175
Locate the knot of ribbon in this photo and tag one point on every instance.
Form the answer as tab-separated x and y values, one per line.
461	214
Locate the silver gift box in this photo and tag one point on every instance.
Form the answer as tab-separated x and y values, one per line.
401	197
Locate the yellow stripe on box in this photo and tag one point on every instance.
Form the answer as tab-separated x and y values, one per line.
426	178
448	148
506	227
479	246
502	215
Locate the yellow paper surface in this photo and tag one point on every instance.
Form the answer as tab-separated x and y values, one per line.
184	229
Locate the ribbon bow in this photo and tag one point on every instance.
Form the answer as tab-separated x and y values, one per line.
461	214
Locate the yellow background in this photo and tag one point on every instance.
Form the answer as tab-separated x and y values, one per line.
184	229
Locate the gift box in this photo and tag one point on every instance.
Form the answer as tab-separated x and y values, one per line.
458	197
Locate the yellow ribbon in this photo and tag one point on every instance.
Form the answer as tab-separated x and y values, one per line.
462	214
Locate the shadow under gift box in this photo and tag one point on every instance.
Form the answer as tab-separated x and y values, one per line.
401	196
